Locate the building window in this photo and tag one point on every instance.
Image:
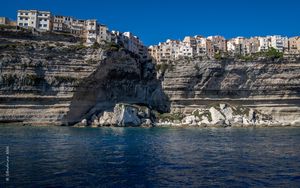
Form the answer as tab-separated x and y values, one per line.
25	24
40	25
45	25
20	24
21	18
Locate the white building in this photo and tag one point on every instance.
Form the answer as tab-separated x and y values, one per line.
91	32
231	47
278	42
201	46
62	23
185	51
40	20
264	43
131	42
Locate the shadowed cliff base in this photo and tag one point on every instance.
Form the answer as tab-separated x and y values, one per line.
120	78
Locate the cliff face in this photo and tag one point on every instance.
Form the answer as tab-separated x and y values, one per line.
269	86
48	82
118	79
43	81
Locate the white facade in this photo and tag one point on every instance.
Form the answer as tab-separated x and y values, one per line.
264	43
201	47
131	42
278	42
91	32
231	46
40	20
185	51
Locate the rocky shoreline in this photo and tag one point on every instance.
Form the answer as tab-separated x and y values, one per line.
222	116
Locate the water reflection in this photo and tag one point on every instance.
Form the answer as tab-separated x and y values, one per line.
127	157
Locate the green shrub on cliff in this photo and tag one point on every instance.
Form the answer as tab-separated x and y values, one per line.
200	115
96	45
91	61
33	79
163	67
77	47
274	54
110	46
170	116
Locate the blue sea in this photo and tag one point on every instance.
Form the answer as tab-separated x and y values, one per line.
149	157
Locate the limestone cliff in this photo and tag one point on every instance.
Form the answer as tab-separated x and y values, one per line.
271	86
46	81
43	81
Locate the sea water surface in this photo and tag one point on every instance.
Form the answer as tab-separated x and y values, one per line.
149	157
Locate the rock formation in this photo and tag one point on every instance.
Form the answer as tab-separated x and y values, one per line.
46	82
55	82
269	86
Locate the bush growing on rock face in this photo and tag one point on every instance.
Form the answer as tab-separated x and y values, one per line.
274	54
66	79
96	45
91	61
32	79
77	47
240	110
169	116
164	67
110	46
201	114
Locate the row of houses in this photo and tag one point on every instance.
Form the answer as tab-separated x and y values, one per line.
90	30
209	46
7	21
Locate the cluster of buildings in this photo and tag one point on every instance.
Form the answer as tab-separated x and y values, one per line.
209	46
90	30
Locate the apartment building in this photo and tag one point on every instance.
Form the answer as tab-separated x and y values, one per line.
40	20
191	42
4	21
201	45
294	45
62	23
219	43
131	42
185	51
91	31
153	51
278	42
103	34
78	27
264	43
237	45
252	45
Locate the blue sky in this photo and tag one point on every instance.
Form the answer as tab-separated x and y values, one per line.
157	20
